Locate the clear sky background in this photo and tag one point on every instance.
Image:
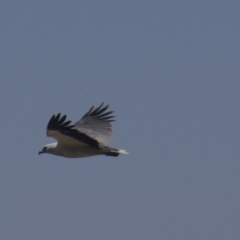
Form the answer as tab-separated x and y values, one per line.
170	72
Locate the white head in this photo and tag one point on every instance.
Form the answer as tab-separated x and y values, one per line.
49	148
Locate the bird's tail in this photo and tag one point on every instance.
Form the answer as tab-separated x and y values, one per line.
114	152
122	151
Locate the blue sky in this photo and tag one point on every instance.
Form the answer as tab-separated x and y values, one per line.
170	72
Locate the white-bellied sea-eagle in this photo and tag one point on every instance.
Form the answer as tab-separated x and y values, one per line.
87	137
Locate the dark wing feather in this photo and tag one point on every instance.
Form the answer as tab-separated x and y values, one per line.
96	114
63	131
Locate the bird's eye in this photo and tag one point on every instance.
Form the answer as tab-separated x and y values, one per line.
45	148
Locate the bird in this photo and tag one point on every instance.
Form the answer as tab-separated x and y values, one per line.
87	137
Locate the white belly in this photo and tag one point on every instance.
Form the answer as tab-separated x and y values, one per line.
79	152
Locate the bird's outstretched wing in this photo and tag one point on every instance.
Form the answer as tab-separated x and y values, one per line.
96	124
93	129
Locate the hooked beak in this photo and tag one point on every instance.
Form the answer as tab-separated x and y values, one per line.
40	152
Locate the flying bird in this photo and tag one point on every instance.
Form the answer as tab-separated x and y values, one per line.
87	137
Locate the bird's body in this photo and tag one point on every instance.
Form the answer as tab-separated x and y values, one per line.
87	137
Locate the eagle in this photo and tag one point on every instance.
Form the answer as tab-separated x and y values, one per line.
87	137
